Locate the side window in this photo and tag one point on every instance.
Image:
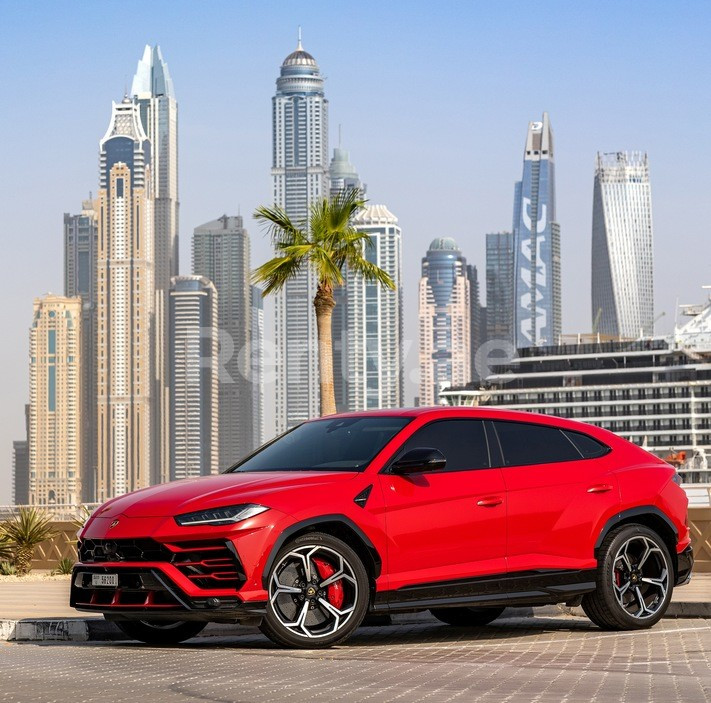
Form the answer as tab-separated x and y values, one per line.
522	444
590	448
462	442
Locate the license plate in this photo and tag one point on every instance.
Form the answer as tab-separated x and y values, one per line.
108	580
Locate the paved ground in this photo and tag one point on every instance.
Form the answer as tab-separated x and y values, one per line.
50	599
529	659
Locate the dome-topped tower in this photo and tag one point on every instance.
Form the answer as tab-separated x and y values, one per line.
300	57
299	73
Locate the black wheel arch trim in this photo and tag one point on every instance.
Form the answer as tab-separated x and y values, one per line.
632	513
314	522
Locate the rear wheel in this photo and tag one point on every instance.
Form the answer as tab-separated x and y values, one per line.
635	579
318	593
467	617
160	631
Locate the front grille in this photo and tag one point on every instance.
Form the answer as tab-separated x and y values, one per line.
208	564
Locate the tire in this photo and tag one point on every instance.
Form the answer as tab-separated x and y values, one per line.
160	631
635	580
467	617
309	606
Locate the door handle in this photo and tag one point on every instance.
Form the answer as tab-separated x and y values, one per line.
600	488
490	502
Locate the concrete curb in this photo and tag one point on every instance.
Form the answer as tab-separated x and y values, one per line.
99	630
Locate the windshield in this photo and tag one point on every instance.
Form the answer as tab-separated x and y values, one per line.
344	444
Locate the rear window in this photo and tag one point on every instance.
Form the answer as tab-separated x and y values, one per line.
590	448
523	443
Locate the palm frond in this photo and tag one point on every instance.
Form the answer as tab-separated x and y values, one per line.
279	227
28	527
371	273
276	272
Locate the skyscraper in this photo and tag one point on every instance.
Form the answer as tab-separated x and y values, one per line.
499	286
21	465
300	176
537	302
80	250
257	367
343	177
374	318
193	362
477	327
221	254
125	306
622	257
445	320
55	447
152	89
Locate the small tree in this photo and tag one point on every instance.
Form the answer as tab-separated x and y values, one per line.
7	548
328	243
27	528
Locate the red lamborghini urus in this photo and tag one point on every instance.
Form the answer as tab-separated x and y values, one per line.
458	511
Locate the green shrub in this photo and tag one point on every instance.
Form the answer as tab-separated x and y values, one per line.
64	566
27	528
6	569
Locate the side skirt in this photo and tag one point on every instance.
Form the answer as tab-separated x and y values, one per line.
523	588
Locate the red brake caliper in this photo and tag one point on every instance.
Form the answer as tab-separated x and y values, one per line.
335	589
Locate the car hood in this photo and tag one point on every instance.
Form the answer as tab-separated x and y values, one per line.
207	492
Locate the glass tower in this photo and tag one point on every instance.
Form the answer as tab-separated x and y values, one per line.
622	257
537	301
300	177
499	286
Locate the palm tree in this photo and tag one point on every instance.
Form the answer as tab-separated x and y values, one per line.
327	243
28	528
6	546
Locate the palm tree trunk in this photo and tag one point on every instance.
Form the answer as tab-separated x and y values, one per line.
324	304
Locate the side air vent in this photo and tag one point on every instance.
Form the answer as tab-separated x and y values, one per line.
362	498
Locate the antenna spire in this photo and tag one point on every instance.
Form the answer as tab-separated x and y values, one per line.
299	47
339	135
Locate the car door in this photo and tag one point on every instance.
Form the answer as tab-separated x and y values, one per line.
559	489
447	524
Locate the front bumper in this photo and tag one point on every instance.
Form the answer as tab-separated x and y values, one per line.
685	564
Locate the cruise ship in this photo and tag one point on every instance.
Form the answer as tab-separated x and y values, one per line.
655	392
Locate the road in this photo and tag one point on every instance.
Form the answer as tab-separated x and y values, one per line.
531	659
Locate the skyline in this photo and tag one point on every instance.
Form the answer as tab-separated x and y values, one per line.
224	161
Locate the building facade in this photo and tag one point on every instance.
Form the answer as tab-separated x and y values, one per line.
257	370
152	89
125	351
622	246
477	326
655	392
81	235
194	369
445	320
55	447
300	177
536	235
221	254
21	465
499	286
373	318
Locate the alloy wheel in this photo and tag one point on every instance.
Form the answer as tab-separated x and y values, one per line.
313	591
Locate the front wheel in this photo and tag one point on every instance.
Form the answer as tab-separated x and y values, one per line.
635	579
160	631
318	593
467	617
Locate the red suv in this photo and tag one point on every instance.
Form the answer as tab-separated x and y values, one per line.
459	511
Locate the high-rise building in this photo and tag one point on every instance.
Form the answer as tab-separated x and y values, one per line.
343	177
193	362
622	243
477	327
300	176
21	465
499	286
55	446
152	89
445	320
536	234
257	370
221	253
81	234
374	368
125	306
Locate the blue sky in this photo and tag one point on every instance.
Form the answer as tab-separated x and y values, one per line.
434	99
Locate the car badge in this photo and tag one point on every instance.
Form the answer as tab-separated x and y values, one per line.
113	524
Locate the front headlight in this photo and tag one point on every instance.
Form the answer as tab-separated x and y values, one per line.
221	516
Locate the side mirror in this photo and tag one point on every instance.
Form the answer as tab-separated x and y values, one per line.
418	460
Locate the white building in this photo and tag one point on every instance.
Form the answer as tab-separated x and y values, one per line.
622	260
300	176
373	347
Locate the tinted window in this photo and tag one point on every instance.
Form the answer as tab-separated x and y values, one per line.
523	444
462	442
587	446
345	444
